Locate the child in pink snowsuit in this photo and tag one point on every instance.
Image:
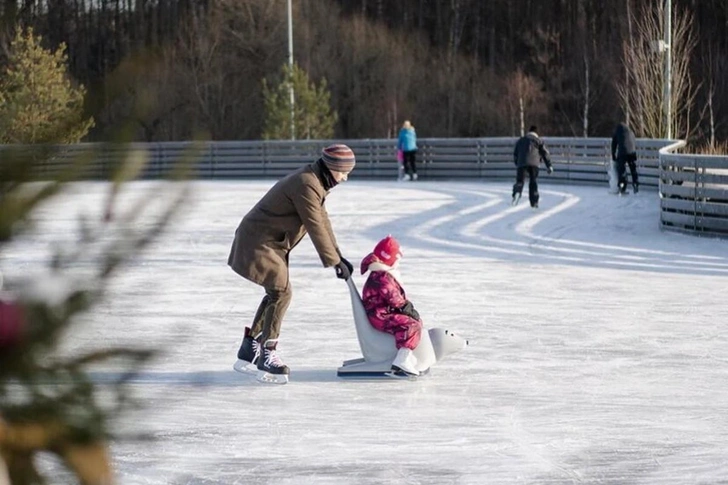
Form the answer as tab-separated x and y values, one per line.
386	303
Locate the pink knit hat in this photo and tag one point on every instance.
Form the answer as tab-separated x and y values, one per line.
387	251
338	158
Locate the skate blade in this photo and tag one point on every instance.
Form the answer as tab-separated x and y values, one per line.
516	200
400	374
245	367
267	378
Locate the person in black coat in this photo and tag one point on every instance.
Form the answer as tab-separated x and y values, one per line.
624	152
527	156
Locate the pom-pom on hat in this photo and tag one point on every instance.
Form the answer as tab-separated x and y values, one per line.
338	158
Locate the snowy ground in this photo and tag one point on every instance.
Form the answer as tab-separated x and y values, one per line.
599	347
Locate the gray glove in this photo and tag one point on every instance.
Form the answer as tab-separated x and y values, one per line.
550	169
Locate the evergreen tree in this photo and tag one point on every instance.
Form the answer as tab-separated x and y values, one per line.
313	116
38	103
49	400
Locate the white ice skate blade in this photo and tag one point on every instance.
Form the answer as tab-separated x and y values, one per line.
267	378
245	367
516	199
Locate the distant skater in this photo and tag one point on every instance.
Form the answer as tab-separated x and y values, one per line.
407	142
527	156
624	152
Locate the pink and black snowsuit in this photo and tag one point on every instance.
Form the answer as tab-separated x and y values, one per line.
385	301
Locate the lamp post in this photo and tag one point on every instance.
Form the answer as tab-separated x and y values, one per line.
668	69
290	64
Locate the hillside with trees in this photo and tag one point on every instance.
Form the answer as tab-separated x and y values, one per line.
456	68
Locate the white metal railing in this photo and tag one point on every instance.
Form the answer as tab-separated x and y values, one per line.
576	160
693	188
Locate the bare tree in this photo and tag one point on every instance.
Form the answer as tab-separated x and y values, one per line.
199	52
587	98
523	90
589	27
715	70
641	92
629	41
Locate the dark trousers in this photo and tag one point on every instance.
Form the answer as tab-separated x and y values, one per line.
622	162
270	314
410	159
532	183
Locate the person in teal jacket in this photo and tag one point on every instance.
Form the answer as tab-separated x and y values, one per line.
407	142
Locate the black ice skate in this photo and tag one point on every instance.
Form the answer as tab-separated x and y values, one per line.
248	354
635	188
271	368
516	198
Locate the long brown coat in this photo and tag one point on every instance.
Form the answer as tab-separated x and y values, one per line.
292	207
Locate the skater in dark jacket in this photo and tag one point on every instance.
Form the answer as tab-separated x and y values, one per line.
624	152
527	155
292	208
387	305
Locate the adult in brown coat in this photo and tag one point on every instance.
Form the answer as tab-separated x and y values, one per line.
292	208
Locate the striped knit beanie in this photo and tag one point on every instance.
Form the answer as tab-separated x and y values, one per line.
338	158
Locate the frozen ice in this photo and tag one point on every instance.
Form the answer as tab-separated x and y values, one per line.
598	343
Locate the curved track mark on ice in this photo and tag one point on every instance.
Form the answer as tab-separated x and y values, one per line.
461	223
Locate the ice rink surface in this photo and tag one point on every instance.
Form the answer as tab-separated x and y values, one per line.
599	343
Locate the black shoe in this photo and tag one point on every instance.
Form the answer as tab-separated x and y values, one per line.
250	348
270	361
636	188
